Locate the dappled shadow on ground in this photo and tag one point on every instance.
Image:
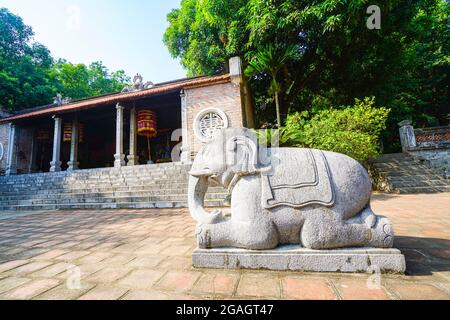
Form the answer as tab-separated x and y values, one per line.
27	235
424	256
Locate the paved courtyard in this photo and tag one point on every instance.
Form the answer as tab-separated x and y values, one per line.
146	254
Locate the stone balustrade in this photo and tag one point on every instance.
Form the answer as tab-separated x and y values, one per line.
431	145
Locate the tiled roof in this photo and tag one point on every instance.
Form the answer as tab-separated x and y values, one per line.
120	97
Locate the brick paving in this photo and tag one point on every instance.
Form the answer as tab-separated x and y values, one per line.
146	254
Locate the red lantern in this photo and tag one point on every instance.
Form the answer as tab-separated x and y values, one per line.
147	127
67	133
146	123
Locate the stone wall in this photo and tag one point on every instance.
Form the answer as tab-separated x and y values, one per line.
4	133
225	97
427	144
432	138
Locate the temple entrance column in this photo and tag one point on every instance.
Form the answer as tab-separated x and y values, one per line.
185	156
11	160
73	163
119	156
55	165
133	157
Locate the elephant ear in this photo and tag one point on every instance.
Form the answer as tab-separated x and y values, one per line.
242	155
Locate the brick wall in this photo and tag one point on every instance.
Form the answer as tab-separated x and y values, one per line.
226	97
4	133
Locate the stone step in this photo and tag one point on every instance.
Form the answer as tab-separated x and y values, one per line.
61	185
112	199
81	181
90	193
401	173
95	189
151	186
120	205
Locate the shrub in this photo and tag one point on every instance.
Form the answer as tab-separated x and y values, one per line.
351	130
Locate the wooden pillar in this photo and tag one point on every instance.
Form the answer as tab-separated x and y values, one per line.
33	156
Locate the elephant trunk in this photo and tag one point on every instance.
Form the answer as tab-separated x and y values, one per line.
196	198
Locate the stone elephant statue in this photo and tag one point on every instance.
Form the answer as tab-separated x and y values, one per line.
315	198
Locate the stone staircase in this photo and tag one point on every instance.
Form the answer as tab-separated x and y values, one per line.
147	186
401	173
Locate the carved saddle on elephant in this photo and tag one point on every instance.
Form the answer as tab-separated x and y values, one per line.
310	183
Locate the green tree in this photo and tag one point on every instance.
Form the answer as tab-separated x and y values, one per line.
204	34
73	79
352	130
405	64
29	76
24	66
79	81
271	61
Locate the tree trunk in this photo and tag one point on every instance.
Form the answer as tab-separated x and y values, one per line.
277	104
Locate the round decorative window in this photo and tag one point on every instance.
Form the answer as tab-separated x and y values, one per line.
2	151
208	121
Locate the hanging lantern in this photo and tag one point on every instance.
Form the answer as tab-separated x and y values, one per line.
146	123
43	135
147	127
67	132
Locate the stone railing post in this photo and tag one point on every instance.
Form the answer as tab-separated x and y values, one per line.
55	165
407	136
11	156
119	156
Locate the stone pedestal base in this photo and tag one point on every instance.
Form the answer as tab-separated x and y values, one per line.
296	258
72	166
11	171
132	160
55	166
119	160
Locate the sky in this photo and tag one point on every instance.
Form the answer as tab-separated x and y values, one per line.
123	34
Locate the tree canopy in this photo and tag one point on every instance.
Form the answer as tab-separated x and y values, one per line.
405	64
29	76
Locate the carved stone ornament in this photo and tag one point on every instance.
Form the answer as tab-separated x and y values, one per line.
283	196
59	100
208	121
138	84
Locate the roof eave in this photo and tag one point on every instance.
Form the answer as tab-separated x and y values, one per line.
121	97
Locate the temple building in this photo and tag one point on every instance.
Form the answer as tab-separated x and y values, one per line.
145	123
